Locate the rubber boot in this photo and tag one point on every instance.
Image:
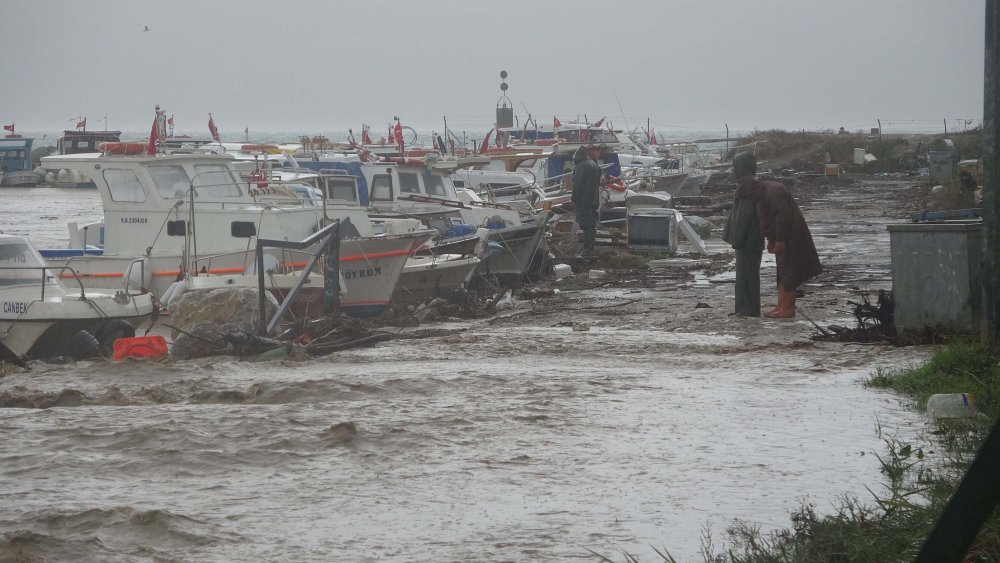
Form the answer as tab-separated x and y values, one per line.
786	305
777	306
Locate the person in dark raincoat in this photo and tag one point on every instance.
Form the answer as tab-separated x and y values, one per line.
743	233
586	195
788	238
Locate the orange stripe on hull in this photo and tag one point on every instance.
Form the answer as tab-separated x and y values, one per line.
161	273
355	257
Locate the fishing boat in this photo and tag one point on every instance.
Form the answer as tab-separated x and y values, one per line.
192	215
437	268
41	316
513	234
81	142
15	162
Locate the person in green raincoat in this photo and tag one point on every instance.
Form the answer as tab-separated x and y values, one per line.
743	233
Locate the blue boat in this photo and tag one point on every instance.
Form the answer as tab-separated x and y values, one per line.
15	162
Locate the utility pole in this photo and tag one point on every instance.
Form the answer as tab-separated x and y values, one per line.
978	493
991	176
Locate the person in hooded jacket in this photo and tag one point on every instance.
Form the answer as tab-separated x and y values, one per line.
586	194
788	238
743	233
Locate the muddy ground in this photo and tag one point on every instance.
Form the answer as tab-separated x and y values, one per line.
694	292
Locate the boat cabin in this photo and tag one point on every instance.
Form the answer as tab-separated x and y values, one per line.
76	142
546	135
15	154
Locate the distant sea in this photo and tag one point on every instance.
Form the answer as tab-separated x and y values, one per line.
425	137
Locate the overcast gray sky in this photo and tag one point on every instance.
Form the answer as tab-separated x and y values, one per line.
317	66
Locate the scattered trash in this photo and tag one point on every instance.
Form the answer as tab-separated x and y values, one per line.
562	270
952	405
140	347
507	301
596	274
690	233
580	327
701	305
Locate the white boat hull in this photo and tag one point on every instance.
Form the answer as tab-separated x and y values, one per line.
510	253
426	277
370	269
45	327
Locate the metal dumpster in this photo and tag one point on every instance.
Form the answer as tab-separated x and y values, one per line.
937	274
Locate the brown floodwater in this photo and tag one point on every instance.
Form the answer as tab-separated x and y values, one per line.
503	441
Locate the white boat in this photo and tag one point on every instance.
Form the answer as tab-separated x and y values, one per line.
182	209
41	317
423	186
680	169
427	277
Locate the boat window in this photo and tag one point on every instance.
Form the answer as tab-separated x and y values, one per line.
342	187
458	183
408	183
171	182
124	185
434	185
16	254
382	188
215	180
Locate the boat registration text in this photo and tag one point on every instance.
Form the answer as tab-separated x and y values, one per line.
14	308
362	273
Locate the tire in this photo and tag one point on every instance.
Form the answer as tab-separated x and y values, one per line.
81	346
111	331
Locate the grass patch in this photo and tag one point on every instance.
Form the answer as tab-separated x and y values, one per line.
962	367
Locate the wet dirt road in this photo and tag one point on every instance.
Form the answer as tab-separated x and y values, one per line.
513	438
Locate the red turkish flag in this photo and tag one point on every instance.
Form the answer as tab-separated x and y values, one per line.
397	133
486	141
556	122
154	135
212	129
599	123
9	127
366	139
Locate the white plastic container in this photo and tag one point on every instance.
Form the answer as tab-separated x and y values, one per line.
596	274
952	405
562	270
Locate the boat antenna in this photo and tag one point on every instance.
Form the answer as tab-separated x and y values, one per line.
622	111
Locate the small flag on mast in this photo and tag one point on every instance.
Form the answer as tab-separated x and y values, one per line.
82	124
397	133
9	127
556	122
486	142
212	129
154	135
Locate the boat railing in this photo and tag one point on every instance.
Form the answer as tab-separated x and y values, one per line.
53	279
291	261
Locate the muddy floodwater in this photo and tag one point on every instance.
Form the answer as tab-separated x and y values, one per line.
511	438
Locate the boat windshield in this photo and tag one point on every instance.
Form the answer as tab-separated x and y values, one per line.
20	264
216	180
171	181
434	185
